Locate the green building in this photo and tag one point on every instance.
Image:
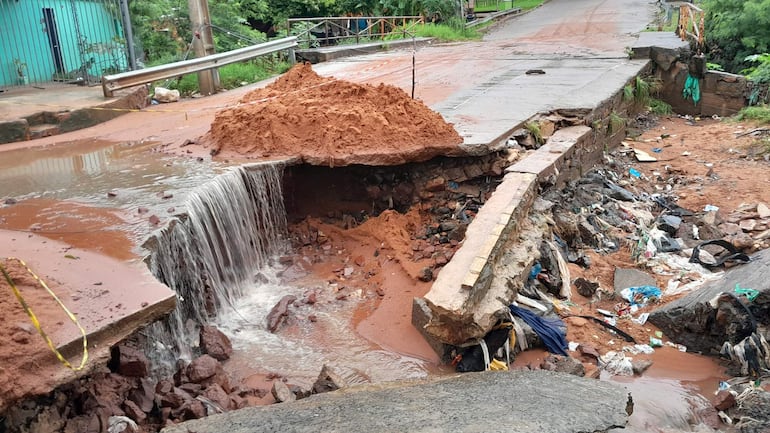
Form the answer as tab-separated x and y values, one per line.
70	41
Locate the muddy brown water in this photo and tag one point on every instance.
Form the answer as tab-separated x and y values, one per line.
63	192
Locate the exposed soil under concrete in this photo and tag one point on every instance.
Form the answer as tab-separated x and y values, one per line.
330	122
389	249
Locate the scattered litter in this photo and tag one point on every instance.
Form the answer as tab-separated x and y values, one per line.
634	173
686	153
641	295
655	342
573	346
639	348
550	330
642	319
120	424
679	347
751	294
616	363
643	156
605	312
731	254
752	354
710	207
723	386
725	418
657	149
529	302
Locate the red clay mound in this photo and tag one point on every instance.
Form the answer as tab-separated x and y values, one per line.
331	122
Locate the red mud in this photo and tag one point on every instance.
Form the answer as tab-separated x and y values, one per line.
331	122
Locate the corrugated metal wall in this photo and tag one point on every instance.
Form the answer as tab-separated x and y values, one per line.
74	41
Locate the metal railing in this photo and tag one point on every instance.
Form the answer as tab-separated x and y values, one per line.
691	24
314	32
111	83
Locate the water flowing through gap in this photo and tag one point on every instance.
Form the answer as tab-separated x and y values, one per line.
209	256
225	260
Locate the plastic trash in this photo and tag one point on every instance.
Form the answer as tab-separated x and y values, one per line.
121	424
710	208
641	295
616	363
634	173
535	271
750	294
679	347
656	342
642	319
573	345
657	149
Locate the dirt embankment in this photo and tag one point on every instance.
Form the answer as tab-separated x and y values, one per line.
330	122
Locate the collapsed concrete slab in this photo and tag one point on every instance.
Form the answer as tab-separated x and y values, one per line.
703	323
486	401
500	245
110	299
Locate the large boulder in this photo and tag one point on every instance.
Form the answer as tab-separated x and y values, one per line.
707	317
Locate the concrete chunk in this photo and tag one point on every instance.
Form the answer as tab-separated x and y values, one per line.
548	402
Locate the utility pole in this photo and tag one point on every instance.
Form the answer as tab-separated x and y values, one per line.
203	44
128	33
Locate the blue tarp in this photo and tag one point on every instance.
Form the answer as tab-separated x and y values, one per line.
551	331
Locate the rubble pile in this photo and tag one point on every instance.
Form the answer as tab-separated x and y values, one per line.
124	397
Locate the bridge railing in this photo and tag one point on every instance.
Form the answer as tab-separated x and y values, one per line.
111	83
691	23
315	32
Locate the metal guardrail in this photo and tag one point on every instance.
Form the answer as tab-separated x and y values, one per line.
691	23
111	83
312	32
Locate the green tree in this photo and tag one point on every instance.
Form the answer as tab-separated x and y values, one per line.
735	30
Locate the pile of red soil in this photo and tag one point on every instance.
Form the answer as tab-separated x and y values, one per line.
326	121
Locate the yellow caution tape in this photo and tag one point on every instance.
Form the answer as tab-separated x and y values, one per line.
36	322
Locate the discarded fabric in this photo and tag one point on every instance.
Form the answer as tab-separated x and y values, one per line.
477	357
752	354
616	363
640	295
551	331
691	89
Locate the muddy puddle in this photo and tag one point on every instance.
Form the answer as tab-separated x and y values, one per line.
673	395
95	195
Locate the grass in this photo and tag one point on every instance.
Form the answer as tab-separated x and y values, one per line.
230	76
759	114
660	108
534	128
502	5
615	123
447	32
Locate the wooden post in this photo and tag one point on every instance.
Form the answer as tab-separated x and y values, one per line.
203	44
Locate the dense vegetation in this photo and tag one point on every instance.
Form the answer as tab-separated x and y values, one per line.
162	26
738	36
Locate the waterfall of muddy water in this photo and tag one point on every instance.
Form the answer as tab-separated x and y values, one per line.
233	226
